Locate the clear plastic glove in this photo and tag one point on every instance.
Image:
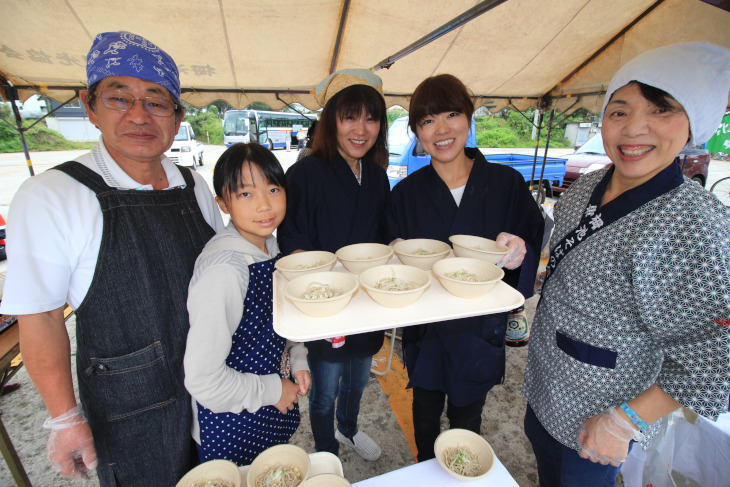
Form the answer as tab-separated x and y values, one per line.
605	437
70	446
517	250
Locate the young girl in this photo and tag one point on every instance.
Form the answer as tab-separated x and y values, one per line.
237	369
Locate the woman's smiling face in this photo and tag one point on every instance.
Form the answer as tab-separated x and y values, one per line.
443	135
640	137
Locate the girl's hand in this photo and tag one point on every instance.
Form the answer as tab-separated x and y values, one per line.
605	437
288	396
304	379
395	241
517	250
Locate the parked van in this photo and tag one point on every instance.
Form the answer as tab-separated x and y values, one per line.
185	150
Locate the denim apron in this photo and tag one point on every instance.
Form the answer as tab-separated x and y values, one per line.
131	330
256	349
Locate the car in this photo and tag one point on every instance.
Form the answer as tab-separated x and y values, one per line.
185	150
591	156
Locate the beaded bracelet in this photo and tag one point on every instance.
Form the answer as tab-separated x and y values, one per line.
635	418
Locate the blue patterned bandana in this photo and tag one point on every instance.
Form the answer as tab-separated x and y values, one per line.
127	54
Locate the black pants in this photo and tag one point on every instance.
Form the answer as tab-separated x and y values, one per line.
427	409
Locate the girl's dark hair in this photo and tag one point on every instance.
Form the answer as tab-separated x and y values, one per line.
228	171
658	97
438	94
351	102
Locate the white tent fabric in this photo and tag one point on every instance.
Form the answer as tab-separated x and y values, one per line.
519	51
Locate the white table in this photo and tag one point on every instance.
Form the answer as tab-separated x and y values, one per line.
431	474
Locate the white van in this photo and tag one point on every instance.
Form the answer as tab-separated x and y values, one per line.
185	150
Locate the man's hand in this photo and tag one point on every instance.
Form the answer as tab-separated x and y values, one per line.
70	446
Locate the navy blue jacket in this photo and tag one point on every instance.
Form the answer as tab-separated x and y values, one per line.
466	357
326	210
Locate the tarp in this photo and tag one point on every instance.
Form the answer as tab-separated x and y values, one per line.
563	52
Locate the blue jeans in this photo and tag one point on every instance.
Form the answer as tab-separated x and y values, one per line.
560	466
341	381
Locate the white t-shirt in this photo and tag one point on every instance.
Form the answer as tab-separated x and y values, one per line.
54	233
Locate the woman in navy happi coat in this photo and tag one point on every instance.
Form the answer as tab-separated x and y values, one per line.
461	359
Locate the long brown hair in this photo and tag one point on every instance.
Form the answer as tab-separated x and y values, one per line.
351	101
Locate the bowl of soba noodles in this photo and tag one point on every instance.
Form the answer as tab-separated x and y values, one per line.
321	294
466	277
421	252
464	454
301	263
358	257
279	466
478	248
215	473
395	286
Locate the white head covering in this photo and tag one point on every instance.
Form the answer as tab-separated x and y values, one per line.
696	74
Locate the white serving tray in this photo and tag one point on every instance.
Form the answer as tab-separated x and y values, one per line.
319	463
362	314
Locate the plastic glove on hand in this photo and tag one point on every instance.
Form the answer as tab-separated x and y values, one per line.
70	446
605	437
517	250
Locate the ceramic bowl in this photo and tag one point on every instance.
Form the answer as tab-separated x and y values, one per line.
302	263
326	480
478	248
395	299
421	252
212	470
358	257
283	455
459	438
297	287
487	276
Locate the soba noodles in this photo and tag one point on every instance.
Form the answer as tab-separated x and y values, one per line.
394	284
212	483
422	251
317	290
462	461
302	267
279	476
463	275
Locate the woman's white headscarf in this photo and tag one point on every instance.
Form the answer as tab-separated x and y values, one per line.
696	74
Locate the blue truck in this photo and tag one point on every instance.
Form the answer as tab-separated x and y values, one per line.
407	156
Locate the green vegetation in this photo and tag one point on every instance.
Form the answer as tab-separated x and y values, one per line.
39	138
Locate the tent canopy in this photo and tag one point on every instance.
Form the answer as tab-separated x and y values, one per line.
548	53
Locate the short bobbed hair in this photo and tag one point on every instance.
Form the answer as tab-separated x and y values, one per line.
228	171
439	94
351	101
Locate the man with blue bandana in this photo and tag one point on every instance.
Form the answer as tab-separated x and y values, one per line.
114	234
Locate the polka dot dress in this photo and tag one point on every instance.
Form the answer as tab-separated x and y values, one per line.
256	349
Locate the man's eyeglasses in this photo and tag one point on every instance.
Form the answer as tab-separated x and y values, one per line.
123	102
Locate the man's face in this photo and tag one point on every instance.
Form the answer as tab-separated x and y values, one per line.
135	136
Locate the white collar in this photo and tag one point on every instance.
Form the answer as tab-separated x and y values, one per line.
115	176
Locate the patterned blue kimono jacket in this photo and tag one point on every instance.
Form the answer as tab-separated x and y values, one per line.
465	358
327	209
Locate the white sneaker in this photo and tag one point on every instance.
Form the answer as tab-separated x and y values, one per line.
361	443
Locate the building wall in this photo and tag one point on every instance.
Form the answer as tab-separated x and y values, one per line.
78	129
